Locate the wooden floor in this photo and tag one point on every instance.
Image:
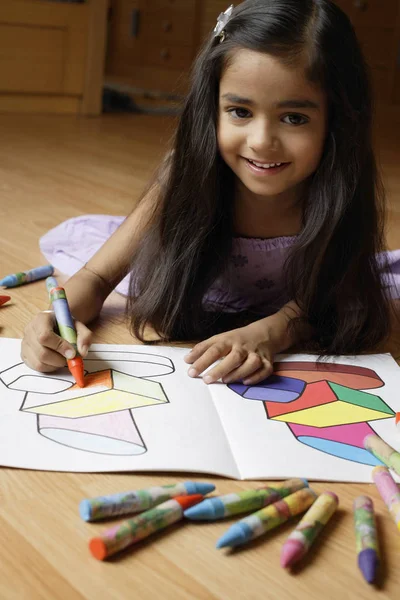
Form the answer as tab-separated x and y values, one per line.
53	168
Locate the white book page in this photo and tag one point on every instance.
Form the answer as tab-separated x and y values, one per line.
139	411
267	448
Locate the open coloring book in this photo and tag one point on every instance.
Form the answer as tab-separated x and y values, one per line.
140	411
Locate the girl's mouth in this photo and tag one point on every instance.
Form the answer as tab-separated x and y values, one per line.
266	169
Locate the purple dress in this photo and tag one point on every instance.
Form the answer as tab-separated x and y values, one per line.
253	281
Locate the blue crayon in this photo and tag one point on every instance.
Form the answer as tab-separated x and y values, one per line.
267	518
240	533
94	509
51	283
235	503
27	276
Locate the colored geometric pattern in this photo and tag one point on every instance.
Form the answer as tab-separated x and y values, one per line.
357	378
325	409
104	392
324	404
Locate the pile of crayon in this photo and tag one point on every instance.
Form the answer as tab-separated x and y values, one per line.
164	505
276	504
159	507
269	506
364	519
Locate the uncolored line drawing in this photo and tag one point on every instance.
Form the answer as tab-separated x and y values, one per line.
99	417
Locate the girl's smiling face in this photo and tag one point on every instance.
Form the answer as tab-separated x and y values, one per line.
270	114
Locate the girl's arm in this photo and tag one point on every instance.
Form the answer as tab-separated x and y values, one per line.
247	353
89	287
42	349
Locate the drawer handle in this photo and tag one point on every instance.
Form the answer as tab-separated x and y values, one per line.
361	4
167	26
135	23
165	54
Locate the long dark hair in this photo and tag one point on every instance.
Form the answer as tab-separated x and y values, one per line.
332	272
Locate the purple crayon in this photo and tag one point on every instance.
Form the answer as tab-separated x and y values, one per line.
366	537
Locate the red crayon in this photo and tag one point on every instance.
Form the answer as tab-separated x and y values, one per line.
4	299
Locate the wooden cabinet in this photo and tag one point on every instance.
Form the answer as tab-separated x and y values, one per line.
152	42
377	25
51	56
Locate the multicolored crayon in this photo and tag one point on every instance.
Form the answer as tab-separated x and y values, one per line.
389	491
66	327
366	537
398	420
102	507
133	530
308	529
4	299
17	279
228	505
385	453
267	518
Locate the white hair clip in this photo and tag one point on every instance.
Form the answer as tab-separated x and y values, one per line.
219	29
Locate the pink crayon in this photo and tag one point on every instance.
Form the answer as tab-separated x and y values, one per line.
389	492
310	526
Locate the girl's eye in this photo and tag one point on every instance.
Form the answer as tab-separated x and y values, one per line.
239	113
294	119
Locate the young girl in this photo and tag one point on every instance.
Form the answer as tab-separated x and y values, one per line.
264	224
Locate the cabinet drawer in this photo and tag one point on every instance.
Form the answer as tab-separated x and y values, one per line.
185	6
168	56
31	59
370	13
167	26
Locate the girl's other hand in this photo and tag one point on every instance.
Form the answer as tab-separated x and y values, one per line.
245	354
45	351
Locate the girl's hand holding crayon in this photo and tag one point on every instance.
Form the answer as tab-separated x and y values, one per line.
246	353
45	351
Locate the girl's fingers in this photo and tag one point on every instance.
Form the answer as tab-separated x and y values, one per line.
40	358
209	357
84	338
45	336
264	372
197	351
251	365
235	358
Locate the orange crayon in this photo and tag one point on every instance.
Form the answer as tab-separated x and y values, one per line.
66	327
76	368
133	530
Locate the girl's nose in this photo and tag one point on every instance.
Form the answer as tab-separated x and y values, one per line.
262	138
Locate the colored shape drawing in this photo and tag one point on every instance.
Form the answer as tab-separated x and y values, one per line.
325	404
96	418
315	394
276	388
109	391
358	378
114	433
344	441
330	412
